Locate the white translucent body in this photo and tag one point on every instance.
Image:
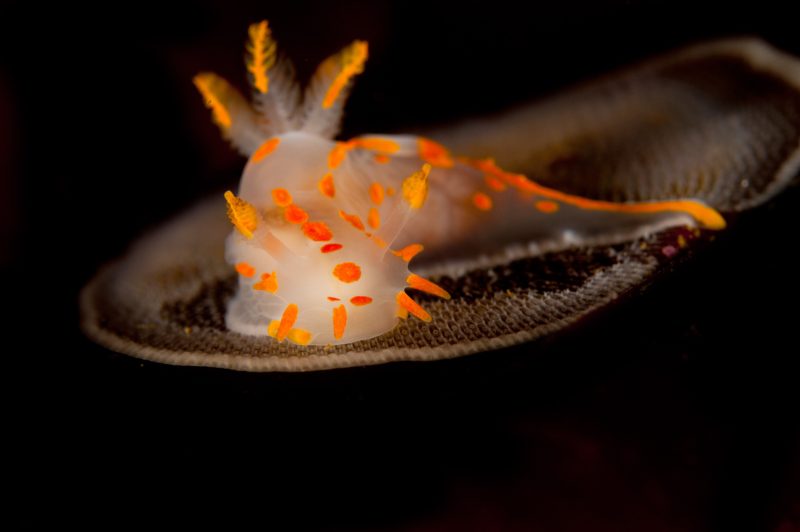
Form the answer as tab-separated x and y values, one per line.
305	274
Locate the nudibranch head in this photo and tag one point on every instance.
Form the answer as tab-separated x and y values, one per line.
313	220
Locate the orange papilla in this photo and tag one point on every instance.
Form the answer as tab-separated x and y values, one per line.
326	186
360	301
434	153
268	283
376	193
347	272
352	219
287	320
411	306
245	270
339	321
294	214
281	197
424	285
265	149
317	231
408	252
330	248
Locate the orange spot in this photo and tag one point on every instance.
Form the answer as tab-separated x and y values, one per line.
374	218
411	306
338	153
434	153
482	201
419	283
350	62
261	55
242	215
295	214
347	272
287	320
339	321
317	231
377	144
494	183
330	248
409	252
353	220
333	298
265	149
379	241
281	197
415	187
360	301
390	191
382	158
326	187
268	283
546	206
245	270
376	193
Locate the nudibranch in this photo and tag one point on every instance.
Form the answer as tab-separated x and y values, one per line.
324	229
580	206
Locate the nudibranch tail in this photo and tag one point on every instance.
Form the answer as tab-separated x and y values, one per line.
550	201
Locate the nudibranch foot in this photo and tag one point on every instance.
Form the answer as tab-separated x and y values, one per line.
391	247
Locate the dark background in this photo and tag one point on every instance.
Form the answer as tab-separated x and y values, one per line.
675	410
